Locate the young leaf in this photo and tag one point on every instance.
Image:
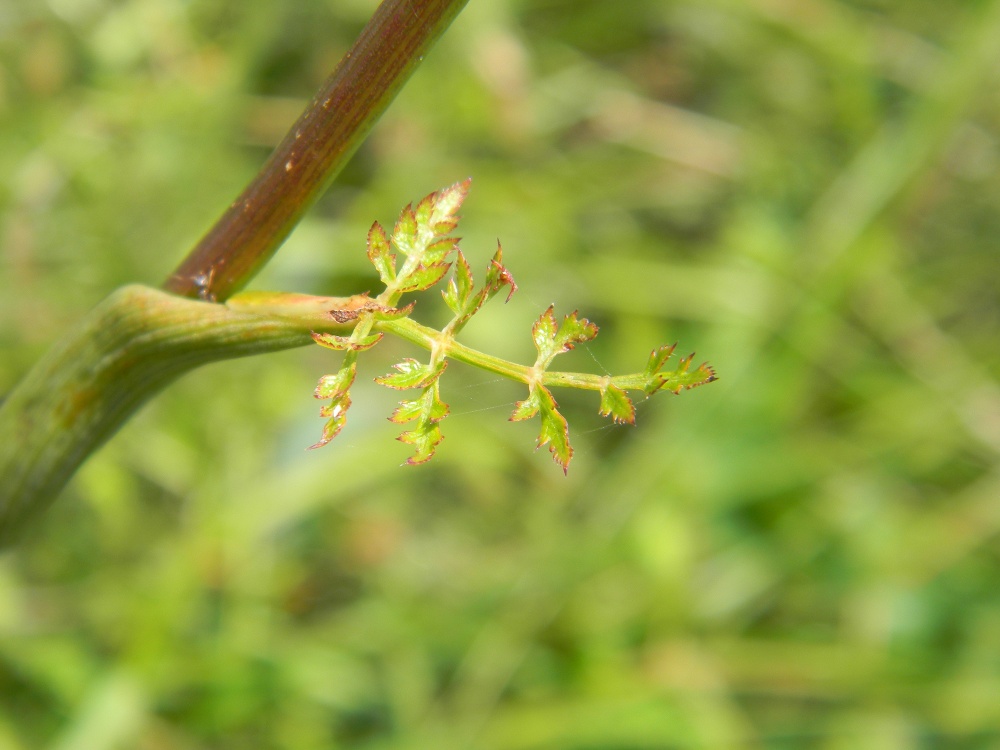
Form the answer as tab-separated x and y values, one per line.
424	438
439	250
459	288
337	413
528	408
459	295
404	234
411	374
617	405
421	235
393	313
446	203
346	343
330	386
424	277
497	276
681	379
658	358
428	407
427	410
554	429
380	255
551	338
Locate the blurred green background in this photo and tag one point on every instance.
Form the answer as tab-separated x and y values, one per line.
802	555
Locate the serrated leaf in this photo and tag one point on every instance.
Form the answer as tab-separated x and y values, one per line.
555	429
551	338
425	209
616	404
380	255
543	332
526	409
439	250
337	413
424	277
404	234
456	294
407	411
330	386
429	407
658	358
446	204
346	343
681	379
412	374
425	440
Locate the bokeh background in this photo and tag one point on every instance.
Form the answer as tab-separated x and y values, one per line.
804	554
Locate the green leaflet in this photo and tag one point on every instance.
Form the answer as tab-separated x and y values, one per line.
617	405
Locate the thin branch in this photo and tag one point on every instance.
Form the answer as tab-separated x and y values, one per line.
315	149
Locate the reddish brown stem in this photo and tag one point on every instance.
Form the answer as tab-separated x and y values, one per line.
316	148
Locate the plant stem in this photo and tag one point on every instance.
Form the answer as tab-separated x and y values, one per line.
121	354
315	149
138	340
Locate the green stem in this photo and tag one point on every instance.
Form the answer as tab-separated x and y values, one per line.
315	149
433	340
126	350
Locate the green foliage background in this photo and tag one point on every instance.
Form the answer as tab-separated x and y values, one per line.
802	555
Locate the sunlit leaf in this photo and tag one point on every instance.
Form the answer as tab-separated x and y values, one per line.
330	386
380	255
404	234
616	404
658	358
526	409
439	250
428	407
425	440
393	313
337	413
411	374
555	429
497	276
446	205
424	277
682	378
346	343
456	294
553	338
